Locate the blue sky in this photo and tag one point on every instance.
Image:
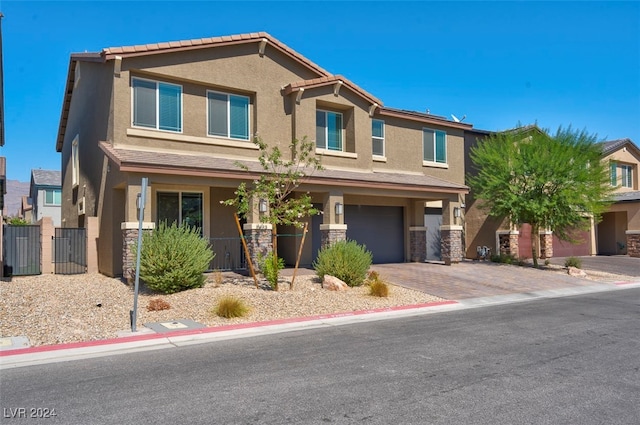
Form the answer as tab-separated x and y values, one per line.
498	63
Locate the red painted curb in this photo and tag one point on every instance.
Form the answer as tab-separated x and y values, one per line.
627	282
223	328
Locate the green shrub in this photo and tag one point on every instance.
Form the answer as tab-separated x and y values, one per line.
504	259
174	258
573	262
270	268
345	260
17	221
229	307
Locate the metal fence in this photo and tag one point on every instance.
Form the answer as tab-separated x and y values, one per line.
21	250
70	250
229	254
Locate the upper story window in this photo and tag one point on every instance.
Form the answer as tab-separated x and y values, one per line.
157	105
53	197
434	144
329	130
377	139
227	115
626	175
75	163
626	172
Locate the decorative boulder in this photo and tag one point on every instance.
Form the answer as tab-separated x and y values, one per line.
573	271
332	283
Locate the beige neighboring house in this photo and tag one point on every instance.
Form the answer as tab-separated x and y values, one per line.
26	209
617	233
182	113
619	230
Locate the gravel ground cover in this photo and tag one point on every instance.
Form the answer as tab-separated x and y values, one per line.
54	309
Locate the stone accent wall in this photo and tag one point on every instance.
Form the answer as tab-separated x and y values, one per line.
418	245
258	242
129	240
508	244
331	236
451	246
633	244
546	245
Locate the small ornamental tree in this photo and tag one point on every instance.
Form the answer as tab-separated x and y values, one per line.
550	182
279	179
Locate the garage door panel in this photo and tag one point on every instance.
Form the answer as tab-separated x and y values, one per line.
380	228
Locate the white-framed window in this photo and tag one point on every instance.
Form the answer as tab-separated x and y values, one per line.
180	207
377	139
227	115
156	105
53	197
434	144
75	163
329	130
613	167
626	172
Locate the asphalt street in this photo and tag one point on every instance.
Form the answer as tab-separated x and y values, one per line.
570	360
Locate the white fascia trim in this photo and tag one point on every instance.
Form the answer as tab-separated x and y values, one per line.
257	226
451	227
333	227
133	225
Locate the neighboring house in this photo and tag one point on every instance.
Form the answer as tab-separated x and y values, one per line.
46	195
182	113
26	209
619	230
617	233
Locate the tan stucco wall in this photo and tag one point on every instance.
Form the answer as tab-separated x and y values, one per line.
627	157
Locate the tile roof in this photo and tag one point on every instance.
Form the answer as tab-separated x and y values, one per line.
329	80
614	145
627	196
201	165
46	177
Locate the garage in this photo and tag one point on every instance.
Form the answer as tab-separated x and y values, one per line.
380	228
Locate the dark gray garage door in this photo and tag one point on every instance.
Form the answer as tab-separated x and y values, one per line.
379	228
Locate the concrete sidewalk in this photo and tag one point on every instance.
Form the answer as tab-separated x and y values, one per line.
155	341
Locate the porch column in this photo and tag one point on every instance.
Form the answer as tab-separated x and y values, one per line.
451	247
507	242
333	228
633	243
129	227
257	234
546	244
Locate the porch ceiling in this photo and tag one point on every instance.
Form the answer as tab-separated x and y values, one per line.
153	162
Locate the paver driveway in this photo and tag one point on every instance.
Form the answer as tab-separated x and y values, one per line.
474	279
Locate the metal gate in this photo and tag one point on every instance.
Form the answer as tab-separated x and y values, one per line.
21	246
229	254
70	250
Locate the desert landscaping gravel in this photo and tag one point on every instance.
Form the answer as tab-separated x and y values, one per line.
53	309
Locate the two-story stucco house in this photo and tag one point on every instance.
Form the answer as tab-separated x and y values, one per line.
617	233
45	191
182	113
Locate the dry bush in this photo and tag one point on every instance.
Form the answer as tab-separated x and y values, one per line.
158	304
218	278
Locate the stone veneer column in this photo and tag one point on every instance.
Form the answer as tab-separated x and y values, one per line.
129	240
546	244
508	243
332	233
418	244
258	238
451	244
633	243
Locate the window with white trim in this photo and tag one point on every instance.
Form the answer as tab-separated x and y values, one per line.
434	144
626	172
75	163
179	208
329	130
227	115
377	138
53	197
613	168
157	105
